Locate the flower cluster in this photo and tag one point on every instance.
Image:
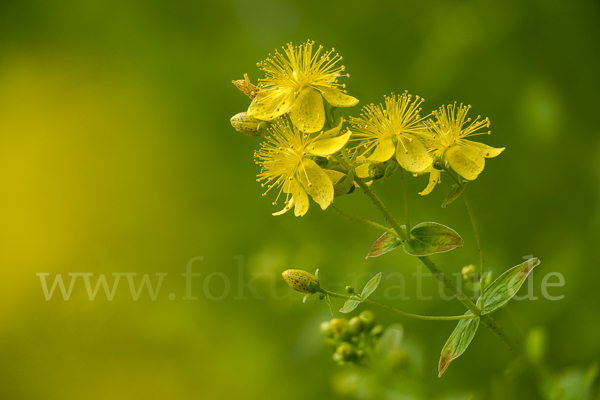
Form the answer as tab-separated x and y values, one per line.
353	340
296	105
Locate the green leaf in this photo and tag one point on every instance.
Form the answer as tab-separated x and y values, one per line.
458	342
386	243
429	238
370	287
306	296
344	185
328	301
349	306
507	285
391	340
453	195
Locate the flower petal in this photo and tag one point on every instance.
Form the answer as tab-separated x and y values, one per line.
332	132
335	176
308	112
412	155
271	103
318	185
325	147
488	151
337	98
362	171
384	150
287	207
434	178
467	160
300	198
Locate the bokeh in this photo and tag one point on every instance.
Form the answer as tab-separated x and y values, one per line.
117	156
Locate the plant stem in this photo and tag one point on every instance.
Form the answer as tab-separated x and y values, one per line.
481	260
378	203
363	221
486	319
457	180
405	193
403	313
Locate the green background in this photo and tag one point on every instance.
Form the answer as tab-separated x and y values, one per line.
117	155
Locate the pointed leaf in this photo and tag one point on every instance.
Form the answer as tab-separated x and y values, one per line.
507	285
391	339
328	301
453	195
306	296
429	238
458	342
370	287
386	243
349	306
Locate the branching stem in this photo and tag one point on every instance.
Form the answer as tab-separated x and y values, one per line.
486	319
392	309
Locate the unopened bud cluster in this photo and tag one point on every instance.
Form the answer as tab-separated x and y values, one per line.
353	340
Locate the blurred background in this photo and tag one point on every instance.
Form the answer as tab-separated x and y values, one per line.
117	156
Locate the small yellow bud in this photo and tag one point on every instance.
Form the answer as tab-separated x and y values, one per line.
339	326
345	351
298	280
356	325
246	86
368	319
243	123
469	273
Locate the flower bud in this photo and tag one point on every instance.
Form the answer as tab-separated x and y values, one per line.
439	163
487	280
391	167
339	326
243	123
345	351
377	171
469	273
246	86
377	331
325	329
355	325
298	280
349	289
368	319
263	127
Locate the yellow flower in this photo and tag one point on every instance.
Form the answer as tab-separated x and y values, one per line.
447	141
285	163
298	280
396	129
296	83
